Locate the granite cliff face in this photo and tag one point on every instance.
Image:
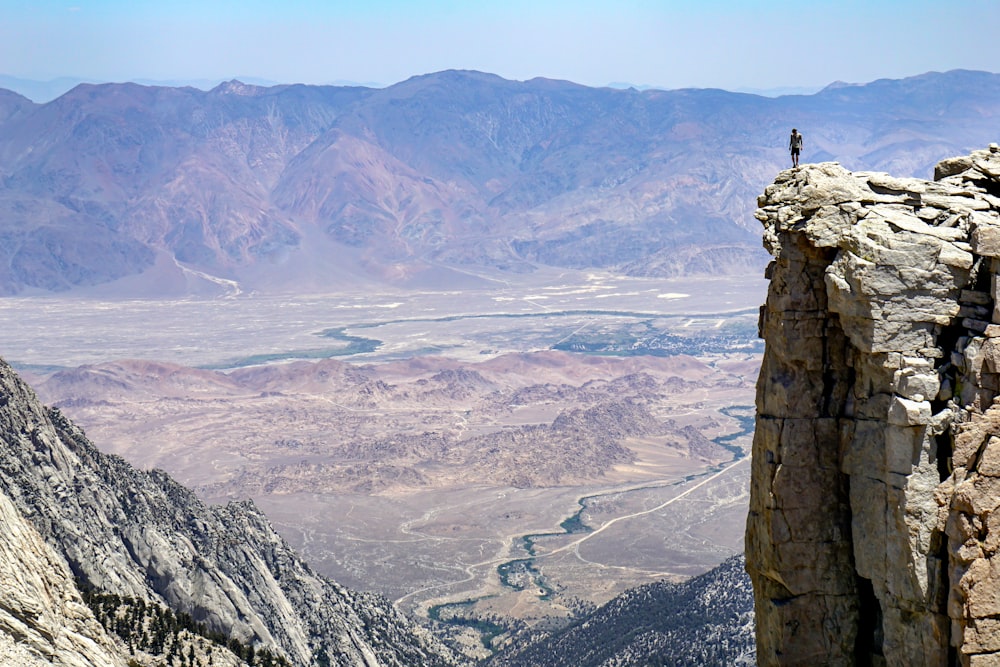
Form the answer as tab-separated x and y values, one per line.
98	521
874	527
43	619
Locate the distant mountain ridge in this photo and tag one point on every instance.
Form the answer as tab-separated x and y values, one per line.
440	179
45	91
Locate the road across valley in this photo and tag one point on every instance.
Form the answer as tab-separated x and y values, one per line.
480	583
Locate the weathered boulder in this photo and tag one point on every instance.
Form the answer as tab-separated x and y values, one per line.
873	529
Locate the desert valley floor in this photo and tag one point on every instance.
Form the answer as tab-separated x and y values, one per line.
520	450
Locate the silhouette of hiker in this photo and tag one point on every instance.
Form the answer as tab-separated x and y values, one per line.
795	146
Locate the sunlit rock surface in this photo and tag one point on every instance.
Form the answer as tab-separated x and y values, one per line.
43	620
872	535
141	535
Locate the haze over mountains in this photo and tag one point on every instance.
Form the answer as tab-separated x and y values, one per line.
450	179
441	179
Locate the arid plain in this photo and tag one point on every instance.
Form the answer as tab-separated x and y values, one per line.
516	451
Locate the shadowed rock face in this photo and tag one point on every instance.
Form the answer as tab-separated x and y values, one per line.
142	535
872	533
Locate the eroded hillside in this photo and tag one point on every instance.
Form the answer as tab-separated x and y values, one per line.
428	479
141	536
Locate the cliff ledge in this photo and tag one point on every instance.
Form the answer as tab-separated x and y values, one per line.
874	527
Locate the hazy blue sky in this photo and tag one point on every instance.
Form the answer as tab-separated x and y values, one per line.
705	43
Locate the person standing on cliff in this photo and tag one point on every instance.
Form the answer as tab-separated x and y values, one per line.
795	146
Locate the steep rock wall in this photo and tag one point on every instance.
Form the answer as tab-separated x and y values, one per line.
43	620
876	462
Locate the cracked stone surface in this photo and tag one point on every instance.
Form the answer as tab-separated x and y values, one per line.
873	533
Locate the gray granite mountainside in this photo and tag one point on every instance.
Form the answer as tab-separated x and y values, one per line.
141	535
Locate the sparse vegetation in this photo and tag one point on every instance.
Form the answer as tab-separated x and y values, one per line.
489	627
160	631
649	338
706	621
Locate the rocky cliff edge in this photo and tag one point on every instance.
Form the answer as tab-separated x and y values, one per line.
874	524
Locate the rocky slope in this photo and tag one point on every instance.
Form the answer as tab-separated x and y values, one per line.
43	619
707	621
432	181
140	535
872	535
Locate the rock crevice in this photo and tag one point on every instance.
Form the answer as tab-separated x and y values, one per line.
871	533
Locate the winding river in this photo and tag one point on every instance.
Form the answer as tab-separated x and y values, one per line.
519	573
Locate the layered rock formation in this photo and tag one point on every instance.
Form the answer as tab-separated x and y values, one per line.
873	529
140	535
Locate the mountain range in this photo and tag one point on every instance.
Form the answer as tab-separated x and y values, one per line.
443	179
